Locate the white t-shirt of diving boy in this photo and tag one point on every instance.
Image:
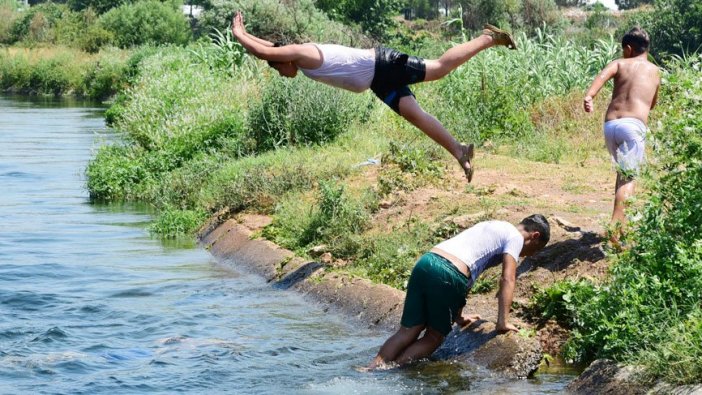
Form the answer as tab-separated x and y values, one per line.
482	246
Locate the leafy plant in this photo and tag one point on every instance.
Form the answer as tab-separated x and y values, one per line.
222	54
146	22
301	112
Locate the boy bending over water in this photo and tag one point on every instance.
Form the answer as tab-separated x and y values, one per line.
387	72
439	284
636	83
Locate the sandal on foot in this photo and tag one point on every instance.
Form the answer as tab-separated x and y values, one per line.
467	159
500	36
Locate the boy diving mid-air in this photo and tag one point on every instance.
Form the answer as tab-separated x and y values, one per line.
385	71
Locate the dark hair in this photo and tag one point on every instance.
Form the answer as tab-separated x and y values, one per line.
275	45
637	39
538	223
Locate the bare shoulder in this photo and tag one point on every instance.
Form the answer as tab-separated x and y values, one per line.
654	70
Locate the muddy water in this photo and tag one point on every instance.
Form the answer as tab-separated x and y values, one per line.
90	303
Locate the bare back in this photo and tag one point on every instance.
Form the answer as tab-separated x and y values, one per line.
636	85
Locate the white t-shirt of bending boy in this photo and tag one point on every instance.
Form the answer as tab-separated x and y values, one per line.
483	245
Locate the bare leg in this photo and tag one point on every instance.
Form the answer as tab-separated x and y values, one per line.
456	56
396	344
427	123
421	348
624	189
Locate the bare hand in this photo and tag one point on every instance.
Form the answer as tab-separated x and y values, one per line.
587	104
466	319
237	23
506	328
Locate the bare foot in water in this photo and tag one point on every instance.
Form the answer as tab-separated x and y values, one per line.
377	364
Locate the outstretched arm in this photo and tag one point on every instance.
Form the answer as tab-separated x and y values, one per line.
605	75
238	23
504	296
265	50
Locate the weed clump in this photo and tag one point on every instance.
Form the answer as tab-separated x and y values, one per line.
300	111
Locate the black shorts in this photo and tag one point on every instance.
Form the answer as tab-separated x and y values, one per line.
394	71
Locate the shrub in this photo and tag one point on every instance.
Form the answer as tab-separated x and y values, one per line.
55	75
388	258
174	114
374	16
105	77
7	21
406	167
675	27
15	72
114	171
537	13
146	22
171	223
298	21
300	111
99	6
336	220
94	38
223	54
35	24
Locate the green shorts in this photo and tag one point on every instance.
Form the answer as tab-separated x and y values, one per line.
436	293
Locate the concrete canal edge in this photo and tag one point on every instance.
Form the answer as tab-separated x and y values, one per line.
234	243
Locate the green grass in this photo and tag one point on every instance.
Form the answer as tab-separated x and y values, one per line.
63	71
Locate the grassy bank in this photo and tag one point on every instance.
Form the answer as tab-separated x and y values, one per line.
203	138
65	71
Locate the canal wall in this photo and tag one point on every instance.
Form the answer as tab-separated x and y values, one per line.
234	243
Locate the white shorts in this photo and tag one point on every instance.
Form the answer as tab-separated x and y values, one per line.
626	143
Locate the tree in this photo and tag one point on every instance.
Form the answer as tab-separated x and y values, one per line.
100	6
675	27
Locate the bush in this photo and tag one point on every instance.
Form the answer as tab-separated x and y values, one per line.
407	167
300	111
388	258
105	77
99	6
114	172
171	223
374	16
7	21
15	72
675	27
174	114
336	220
94	38
36	23
146	22
55	75
537	13
298	21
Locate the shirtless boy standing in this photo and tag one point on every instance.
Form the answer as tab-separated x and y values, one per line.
636	83
387	72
